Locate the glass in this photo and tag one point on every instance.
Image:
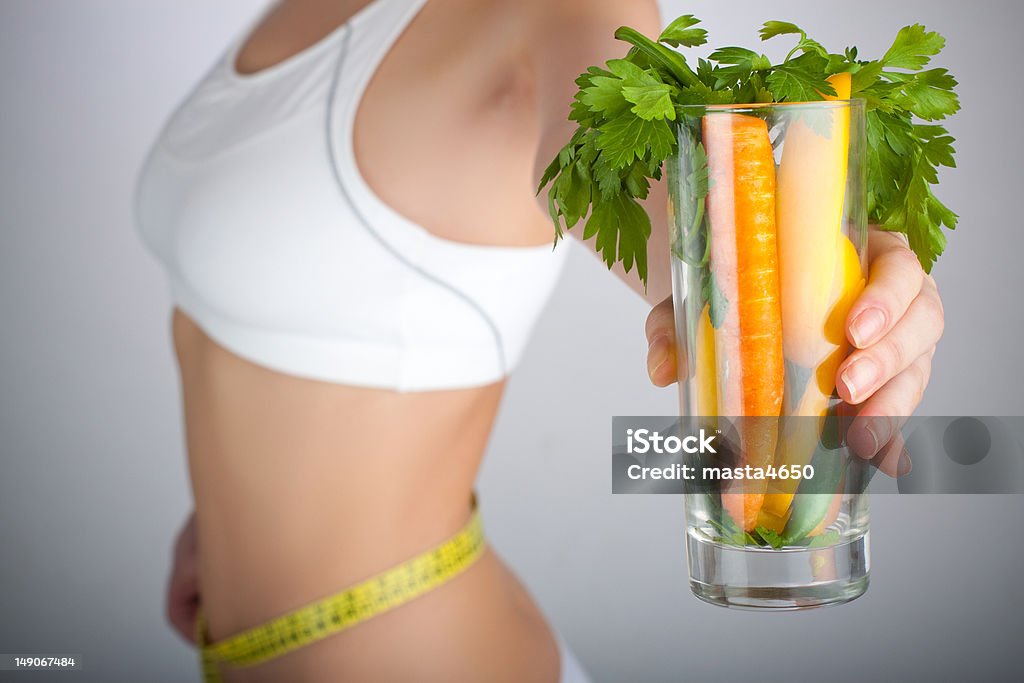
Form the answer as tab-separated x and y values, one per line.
768	228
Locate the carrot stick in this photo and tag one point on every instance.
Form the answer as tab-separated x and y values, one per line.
800	431
812	189
744	266
816	277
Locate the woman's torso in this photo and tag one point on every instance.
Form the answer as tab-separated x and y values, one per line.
304	486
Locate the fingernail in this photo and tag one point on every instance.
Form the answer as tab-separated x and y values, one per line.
904	466
874	437
657	354
859	377
867	326
880	430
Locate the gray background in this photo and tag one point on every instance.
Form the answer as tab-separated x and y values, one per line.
92	475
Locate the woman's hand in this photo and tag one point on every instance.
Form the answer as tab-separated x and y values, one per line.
183	586
894	326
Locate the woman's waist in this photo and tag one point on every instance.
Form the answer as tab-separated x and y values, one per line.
301	490
312	460
290	552
251	427
479	624
470	608
313	505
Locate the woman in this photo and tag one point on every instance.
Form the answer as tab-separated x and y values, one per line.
345	208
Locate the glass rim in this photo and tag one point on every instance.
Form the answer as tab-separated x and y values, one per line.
852	103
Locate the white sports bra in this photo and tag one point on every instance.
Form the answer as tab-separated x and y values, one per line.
278	249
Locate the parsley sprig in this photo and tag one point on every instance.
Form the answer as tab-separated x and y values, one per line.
627	111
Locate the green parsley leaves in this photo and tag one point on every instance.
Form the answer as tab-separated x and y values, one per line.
913	48
801	79
622	141
904	156
627	112
680	33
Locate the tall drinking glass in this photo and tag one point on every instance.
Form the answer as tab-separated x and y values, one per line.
768	237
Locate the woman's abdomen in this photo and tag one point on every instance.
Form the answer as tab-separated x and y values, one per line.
304	488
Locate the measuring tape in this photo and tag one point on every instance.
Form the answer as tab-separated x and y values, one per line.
328	616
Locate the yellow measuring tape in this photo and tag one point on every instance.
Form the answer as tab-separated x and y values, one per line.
326	617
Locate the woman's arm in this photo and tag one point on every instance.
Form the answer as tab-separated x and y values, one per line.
574	36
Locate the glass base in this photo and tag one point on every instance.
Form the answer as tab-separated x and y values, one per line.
787	579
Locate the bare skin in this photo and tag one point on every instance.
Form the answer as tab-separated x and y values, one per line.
303	488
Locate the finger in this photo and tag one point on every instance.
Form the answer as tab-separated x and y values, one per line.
661	321
661	350
867	435
862	431
917	332
894	282
874	432
879	440
893	459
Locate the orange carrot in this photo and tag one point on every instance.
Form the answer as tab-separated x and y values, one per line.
800	432
811	193
744	267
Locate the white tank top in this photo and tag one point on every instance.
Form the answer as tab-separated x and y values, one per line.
277	248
